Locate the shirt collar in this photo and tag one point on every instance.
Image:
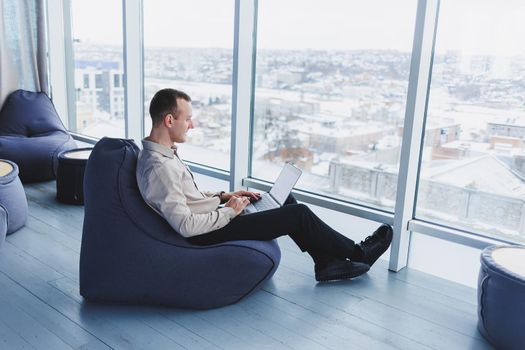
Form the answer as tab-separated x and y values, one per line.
157	147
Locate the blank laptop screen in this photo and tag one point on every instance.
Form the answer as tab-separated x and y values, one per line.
285	183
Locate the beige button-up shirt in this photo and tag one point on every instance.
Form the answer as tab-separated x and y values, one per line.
167	185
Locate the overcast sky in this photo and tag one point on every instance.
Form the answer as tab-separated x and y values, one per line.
474	26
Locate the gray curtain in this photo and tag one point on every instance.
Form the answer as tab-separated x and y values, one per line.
23	47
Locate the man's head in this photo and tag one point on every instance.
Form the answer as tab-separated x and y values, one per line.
171	109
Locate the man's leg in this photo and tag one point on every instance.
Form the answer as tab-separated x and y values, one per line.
318	257
368	250
290	200
309	232
328	248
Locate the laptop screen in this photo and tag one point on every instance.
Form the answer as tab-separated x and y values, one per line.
285	183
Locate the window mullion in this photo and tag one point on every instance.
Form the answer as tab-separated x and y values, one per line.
418	85
70	68
243	63
133	68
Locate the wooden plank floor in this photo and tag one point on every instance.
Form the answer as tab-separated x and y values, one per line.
40	307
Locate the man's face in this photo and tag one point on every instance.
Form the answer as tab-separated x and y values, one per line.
181	123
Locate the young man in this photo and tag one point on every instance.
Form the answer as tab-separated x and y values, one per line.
167	185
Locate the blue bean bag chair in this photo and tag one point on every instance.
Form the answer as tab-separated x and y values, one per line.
32	135
501	296
130	254
13	198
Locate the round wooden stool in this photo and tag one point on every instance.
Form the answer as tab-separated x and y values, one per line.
70	175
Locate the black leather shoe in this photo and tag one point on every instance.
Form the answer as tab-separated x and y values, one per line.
374	245
339	270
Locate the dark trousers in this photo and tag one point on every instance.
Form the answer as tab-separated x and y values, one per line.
309	232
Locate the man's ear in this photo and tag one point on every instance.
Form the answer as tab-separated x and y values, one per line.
167	121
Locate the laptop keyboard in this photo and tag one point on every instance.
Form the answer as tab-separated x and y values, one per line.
265	203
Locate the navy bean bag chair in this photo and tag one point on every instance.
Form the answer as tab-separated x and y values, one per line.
501	296
130	254
12	197
32	135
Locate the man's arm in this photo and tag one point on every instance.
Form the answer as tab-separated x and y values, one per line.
214	194
165	194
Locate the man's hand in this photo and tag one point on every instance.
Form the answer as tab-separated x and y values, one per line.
237	203
252	196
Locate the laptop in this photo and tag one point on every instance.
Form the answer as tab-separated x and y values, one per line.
279	193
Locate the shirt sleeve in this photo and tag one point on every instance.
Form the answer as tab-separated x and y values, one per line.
165	194
211	194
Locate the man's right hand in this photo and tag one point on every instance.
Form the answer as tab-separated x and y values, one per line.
237	203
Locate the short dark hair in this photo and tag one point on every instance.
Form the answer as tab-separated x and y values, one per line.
165	102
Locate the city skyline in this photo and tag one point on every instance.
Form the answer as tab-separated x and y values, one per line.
339	115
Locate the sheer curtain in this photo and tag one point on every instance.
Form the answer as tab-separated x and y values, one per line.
23	43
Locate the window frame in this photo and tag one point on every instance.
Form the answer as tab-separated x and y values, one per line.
243	87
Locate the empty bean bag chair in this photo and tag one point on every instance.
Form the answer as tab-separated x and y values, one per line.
12	197
130	254
32	135
501	296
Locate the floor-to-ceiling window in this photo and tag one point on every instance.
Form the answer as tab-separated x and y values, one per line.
98	68
330	91
188	45
473	164
330	85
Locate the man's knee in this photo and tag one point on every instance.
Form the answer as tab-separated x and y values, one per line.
296	208
297	211
301	208
290	200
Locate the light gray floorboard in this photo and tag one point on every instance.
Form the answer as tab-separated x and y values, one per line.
28	328
381	286
40	305
43	248
110	328
439	319
69	332
9	339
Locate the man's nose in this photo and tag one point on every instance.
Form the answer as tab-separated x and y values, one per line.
192	125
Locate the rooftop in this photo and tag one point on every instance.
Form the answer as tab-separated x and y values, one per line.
484	173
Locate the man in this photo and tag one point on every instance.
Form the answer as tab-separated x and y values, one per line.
167	185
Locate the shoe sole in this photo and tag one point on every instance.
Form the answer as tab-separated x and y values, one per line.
343	275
